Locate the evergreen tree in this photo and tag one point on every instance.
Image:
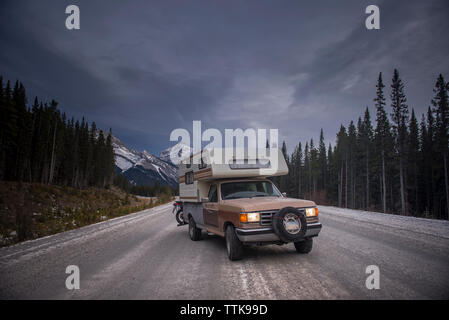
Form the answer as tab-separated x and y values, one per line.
365	140
283	180
322	159
350	165
313	169
341	156
109	159
399	117
299	164
332	182
382	139
100	160
413	158
425	199
441	109
3	116
9	126
307	170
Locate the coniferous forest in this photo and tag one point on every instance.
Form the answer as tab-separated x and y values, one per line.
40	144
394	163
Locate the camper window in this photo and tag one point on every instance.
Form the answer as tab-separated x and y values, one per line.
189	177
246	164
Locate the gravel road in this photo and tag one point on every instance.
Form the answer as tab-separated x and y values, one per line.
146	256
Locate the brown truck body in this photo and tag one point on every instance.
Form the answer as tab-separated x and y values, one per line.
216	215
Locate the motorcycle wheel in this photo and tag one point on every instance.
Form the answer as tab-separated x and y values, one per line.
180	217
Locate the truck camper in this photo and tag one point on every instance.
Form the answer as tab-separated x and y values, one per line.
228	193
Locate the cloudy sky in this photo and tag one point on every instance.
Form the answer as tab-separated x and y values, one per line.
145	68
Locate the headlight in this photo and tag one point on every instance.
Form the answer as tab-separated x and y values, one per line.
311	212
250	217
253	217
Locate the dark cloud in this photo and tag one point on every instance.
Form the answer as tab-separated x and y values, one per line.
147	67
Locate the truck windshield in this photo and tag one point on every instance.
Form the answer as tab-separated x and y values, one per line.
248	189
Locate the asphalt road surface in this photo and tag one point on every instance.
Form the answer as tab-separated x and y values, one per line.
146	256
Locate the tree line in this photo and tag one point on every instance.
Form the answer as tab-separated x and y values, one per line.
397	165
40	144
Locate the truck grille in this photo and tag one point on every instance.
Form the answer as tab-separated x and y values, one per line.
266	217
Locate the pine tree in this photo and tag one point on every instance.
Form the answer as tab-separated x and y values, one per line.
100	160
299	157
425	184
382	138
23	132
341	157
332	184
322	160
283	180
307	169
441	110
109	159
365	134
92	154
429	151
3	118
36	132
10	133
350	164
413	158
313	169
399	117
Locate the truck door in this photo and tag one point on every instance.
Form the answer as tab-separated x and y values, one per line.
210	209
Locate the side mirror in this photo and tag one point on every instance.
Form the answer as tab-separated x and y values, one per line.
284	194
204	200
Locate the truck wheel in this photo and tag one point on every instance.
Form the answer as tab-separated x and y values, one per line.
304	246
233	244
194	232
179	217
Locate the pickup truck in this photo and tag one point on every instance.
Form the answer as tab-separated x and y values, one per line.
249	211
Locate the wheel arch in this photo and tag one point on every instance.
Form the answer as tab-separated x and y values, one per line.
227	224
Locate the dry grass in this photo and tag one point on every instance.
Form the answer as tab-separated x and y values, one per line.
30	211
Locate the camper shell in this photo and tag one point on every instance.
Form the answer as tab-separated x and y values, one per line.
196	172
231	195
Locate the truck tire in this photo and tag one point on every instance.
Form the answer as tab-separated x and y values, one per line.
290	224
179	217
194	232
233	244
304	246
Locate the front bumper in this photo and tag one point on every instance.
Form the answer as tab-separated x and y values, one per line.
268	235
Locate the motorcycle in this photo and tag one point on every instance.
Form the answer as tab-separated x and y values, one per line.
179	212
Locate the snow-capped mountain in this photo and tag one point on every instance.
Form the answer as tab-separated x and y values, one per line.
143	168
180	150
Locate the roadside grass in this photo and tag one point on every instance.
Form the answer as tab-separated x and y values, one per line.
30	210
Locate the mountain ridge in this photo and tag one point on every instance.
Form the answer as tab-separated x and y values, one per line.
144	168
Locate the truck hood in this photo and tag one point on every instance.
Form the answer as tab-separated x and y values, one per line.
266	203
